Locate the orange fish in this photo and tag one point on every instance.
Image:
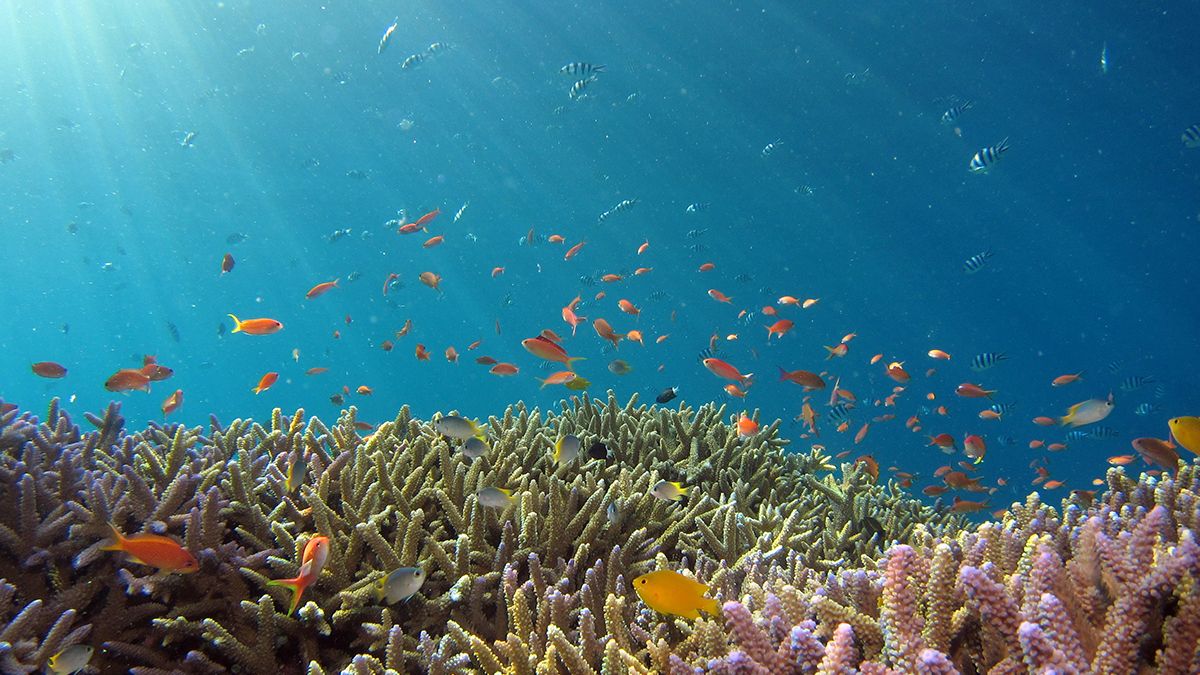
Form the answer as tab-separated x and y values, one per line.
968	390
768	310
896	372
660	338
265	382
706	267
420	222
569	316
939	354
611	278
862	433
227	263
934	491
431	280
628	307
642	249
1045	421
809	303
154	550
48	369
1035	444
573	250
780	328
451	354
497	271
255	326
868	463
642	270
409	228
504	369
433	241
1056	447
635	336
364	390
734	391
316	551
1063	380
421	353
746	427
719	296
556	239
404	329
485	360
839	351
604	330
172	403
128	379
1052	484
788	300
387	283
474	345
549	350
724	370
321	289
600	296
316	371
561	377
1120	460
989	415
810	381
964	506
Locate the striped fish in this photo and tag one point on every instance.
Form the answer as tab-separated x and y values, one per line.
1002	408
1145	409
771	147
839	413
1115	367
577	88
976	262
1103	432
952	114
1077	435
987	360
581	69
412	61
623	205
1191	136
986	158
1160	391
1135	382
696	207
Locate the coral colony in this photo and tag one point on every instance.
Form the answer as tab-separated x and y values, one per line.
411	556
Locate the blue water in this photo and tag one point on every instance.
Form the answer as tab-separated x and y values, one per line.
112	229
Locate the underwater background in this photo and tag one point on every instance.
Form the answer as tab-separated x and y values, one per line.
144	141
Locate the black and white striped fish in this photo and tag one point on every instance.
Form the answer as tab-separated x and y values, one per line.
696	233
1103	432
952	114
623	205
697	207
839	413
1115	367
1002	408
577	88
1191	136
987	360
771	147
581	68
461	210
1160	391
1077	435
412	61
986	158
1135	382
977	262
1145	409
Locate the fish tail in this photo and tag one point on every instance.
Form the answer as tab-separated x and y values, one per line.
119	544
711	607
827	348
237	324
783	374
296	585
573	359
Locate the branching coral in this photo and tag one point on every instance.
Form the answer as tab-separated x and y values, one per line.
792	547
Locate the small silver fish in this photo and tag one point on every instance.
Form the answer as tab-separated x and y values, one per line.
474	447
494	497
566	449
458	428
387	35
400	585
71	659
669	491
613	513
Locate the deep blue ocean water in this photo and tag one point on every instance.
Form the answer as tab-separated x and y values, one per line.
113	229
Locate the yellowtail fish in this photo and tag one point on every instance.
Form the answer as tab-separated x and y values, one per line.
566	449
669	491
1087	412
458	428
494	497
295	474
70	660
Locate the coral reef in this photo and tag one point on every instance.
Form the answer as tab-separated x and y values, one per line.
818	569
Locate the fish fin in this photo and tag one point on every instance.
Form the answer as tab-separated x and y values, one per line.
296	585
237	324
117	545
573	359
711	606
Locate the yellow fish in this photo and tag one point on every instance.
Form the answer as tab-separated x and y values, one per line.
668	592
1186	431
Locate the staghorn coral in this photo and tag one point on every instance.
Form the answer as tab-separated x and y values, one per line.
792	547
